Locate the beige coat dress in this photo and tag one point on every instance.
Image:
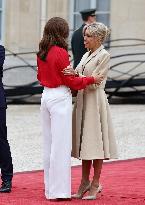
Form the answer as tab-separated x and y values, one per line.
93	136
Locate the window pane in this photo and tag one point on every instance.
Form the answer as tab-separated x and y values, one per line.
77	21
81	4
104	18
103	5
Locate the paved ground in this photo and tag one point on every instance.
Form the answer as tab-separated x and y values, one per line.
24	133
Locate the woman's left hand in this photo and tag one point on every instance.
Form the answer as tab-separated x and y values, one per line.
98	78
69	70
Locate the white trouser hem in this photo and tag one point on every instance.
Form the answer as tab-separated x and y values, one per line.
58	196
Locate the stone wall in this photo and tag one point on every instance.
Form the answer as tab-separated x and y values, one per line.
128	19
22	25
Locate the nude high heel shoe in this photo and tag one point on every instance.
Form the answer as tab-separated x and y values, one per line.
93	197
83	188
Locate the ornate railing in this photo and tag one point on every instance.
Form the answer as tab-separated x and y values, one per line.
126	75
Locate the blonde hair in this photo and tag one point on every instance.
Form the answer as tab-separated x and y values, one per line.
99	30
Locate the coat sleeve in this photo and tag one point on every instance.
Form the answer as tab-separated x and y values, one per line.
72	44
2	55
73	82
101	68
2	58
103	65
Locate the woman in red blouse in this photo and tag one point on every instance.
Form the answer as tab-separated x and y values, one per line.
56	107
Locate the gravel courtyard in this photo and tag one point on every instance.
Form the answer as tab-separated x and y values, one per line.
24	134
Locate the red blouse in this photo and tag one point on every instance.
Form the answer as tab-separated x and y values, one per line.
50	71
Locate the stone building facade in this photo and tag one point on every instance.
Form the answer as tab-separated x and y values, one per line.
22	22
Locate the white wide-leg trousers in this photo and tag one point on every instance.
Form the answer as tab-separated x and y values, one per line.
56	118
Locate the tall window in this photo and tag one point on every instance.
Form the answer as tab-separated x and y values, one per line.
102	11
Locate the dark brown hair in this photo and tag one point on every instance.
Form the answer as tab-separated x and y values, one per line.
55	32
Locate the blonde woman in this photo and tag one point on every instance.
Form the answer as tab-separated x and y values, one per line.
93	137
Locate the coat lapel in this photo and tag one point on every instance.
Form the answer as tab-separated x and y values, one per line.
89	57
